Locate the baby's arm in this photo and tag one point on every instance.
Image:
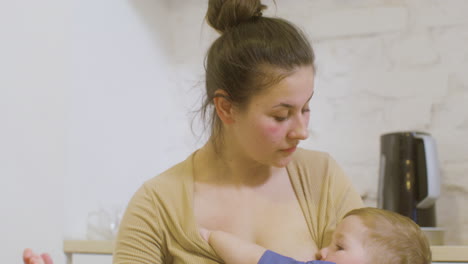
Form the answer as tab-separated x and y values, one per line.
232	249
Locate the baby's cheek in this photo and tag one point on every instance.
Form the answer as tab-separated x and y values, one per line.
332	258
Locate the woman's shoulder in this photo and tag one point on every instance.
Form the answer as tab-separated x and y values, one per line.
171	182
177	173
311	157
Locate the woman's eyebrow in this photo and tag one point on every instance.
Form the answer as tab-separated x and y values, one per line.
291	106
283	105
340	236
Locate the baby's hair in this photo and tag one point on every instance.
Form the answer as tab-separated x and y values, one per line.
393	238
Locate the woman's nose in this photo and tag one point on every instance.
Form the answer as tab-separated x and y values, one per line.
300	131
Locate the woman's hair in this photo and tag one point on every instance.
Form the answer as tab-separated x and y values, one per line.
393	238
252	53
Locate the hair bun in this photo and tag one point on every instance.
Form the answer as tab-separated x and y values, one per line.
224	14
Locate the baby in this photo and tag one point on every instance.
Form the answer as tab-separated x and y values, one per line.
364	236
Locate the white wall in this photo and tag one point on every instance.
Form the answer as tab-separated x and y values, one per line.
118	127
95	99
33	84
130	103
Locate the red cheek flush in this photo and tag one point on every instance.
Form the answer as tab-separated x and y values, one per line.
268	131
272	130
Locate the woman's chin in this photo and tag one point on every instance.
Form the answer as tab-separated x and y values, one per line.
283	162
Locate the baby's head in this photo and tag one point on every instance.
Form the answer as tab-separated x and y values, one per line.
371	235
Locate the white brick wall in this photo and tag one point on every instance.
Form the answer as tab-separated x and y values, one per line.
356	21
383	65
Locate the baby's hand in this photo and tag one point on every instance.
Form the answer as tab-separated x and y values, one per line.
205	233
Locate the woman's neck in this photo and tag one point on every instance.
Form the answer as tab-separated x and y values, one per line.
224	166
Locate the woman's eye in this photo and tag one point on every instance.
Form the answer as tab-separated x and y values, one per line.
280	118
305	110
338	247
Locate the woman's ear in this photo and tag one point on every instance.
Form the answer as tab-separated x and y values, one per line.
224	107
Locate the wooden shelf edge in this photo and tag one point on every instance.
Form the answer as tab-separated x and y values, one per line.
449	253
439	253
88	246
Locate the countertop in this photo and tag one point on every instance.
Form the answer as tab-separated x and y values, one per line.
439	253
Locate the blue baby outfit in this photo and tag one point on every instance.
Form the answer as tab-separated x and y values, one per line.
270	257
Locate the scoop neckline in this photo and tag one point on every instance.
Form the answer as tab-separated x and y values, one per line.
189	189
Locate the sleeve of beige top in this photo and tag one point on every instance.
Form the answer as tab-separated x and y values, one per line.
139	239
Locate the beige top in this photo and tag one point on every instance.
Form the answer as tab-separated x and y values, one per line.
159	225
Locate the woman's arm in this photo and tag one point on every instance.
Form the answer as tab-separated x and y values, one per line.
232	249
140	239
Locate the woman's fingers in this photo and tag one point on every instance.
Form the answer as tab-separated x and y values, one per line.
27	254
29	257
47	259
36	260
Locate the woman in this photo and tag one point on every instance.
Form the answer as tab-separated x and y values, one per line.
249	179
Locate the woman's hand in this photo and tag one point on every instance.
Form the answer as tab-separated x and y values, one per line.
29	257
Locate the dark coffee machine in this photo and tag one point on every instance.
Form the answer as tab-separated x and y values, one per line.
409	180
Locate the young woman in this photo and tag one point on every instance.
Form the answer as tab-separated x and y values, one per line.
250	179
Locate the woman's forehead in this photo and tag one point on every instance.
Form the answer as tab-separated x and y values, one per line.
296	86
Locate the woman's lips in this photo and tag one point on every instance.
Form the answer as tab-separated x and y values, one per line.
290	150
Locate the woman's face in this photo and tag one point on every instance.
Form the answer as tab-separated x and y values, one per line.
276	120
347	246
